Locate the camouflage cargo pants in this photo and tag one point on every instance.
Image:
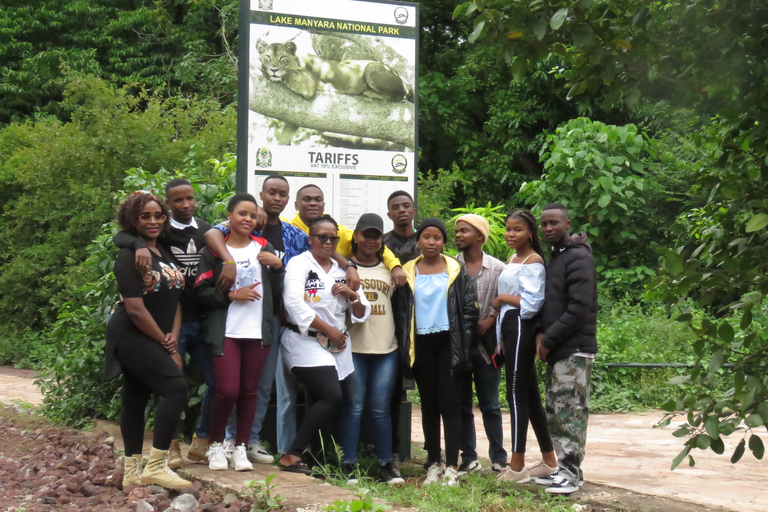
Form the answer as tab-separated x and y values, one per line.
567	385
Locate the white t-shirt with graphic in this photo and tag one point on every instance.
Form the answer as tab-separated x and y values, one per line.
306	294
243	316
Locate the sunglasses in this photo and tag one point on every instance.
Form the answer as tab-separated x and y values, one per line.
325	238
159	217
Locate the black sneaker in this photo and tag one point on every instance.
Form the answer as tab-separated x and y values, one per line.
388	476
469	466
349	472
561	485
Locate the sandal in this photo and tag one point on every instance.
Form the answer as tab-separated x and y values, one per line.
297	467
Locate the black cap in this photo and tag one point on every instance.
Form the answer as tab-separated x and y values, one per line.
431	222
369	221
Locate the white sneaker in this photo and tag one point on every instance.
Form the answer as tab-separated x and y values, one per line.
217	460
450	477
434	473
509	475
240	459
470	467
541	470
257	453
229	447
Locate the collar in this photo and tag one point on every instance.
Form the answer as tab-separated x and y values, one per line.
178	225
486	263
296	221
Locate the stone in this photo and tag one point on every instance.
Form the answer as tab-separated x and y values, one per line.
191	490
143	506
161	491
88	489
184	503
138	493
229	499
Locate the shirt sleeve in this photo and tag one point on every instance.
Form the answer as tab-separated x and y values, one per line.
366	314
129	281
223	227
532	279
344	246
389	259
298	310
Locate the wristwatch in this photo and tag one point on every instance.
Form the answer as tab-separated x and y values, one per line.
352	264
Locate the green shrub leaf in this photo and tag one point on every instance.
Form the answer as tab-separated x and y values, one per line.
738	452
756	446
558	18
757	223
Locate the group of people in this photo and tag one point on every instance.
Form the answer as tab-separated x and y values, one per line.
261	303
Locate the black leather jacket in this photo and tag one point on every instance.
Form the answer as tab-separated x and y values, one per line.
463	311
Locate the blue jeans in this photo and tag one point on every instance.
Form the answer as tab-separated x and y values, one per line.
192	342
486	379
273	372
370	385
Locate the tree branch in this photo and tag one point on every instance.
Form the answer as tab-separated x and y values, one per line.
329	111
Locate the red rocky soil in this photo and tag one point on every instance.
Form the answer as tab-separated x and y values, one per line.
46	468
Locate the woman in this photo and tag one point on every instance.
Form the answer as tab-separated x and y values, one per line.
437	313
316	343
374	352
521	295
142	338
240	327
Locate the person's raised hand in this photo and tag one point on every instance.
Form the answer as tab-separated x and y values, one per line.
227	277
246	293
269	259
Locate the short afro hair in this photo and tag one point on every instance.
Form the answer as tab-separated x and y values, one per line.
130	209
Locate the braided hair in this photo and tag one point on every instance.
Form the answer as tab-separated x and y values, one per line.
533	227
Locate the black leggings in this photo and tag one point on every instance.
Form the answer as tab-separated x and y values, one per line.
140	380
522	382
322	385
440	393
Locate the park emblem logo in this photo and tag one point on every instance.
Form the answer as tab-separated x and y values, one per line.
399	163
401	15
263	157
265	5
188	258
311	287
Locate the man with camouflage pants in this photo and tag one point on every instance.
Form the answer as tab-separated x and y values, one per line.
567	343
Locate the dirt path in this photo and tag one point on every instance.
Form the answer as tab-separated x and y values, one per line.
623	452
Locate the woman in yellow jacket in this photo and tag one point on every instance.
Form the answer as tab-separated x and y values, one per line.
436	315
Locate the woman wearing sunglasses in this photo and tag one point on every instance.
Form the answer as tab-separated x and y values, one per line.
142	338
316	344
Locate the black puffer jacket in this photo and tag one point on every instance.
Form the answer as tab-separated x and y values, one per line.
569	315
463	311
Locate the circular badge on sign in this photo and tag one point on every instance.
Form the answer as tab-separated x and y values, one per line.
401	15
399	163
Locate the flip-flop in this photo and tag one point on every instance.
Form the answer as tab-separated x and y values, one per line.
297	467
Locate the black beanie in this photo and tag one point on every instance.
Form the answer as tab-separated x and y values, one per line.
431	222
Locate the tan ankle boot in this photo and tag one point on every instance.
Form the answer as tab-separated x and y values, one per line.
198	448
157	472
132	472
174	455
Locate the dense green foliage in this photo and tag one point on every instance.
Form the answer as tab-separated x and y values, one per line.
708	57
58	181
183	46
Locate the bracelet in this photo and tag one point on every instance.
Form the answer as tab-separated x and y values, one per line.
356	301
230	263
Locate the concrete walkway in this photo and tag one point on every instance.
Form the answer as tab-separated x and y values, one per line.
623	451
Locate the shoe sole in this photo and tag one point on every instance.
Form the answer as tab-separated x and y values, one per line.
263	460
561	490
218	468
152	481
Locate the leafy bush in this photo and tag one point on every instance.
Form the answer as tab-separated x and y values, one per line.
71	360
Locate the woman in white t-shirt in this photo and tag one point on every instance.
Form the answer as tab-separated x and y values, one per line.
240	327
316	343
521	296
374	352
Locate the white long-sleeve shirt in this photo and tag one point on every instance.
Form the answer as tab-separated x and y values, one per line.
306	294
526	282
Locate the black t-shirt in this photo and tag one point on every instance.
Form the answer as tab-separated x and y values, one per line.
405	248
274	235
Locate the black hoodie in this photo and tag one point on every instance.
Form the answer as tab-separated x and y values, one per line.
569	315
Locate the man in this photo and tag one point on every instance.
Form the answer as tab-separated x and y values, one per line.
471	233
288	241
403	242
567	343
310	204
402	239
185	241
